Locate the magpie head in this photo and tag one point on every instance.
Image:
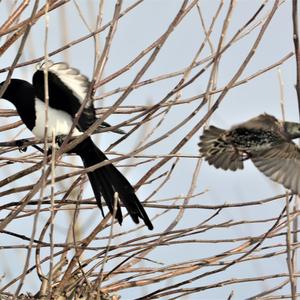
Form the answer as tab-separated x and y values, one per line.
16	90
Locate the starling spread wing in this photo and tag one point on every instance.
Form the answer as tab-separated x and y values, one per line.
218	152
280	163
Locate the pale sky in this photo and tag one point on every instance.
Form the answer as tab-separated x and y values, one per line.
135	32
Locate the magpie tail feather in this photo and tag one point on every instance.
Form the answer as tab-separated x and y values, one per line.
107	180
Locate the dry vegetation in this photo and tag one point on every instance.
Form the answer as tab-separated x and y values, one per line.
62	247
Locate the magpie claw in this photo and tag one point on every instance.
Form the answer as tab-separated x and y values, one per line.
59	139
20	145
49	151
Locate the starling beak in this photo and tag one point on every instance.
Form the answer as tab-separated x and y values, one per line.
263	139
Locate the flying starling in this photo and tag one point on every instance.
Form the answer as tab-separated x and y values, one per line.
263	139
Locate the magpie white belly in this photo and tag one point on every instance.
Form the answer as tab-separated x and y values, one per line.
59	122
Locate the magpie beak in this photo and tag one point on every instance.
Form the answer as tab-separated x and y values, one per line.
67	90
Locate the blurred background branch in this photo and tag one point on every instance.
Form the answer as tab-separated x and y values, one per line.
161	70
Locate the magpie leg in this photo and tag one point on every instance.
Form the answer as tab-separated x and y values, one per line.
49	151
38	148
59	139
20	145
22	148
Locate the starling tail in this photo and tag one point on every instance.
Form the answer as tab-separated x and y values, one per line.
263	139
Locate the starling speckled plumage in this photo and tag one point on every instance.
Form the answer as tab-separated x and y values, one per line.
263	139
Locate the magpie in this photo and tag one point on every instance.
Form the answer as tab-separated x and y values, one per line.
67	89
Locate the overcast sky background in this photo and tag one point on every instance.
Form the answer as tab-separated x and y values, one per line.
135	32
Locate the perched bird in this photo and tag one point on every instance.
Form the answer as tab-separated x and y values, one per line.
263	139
67	90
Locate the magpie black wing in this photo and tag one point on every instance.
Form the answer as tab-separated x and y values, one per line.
67	89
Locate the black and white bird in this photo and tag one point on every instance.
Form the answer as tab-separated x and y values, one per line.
67	90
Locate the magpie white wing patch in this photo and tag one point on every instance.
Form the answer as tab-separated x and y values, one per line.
71	77
59	122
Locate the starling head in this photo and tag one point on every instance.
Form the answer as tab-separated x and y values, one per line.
292	129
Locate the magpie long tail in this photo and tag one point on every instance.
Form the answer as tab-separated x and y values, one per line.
107	180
